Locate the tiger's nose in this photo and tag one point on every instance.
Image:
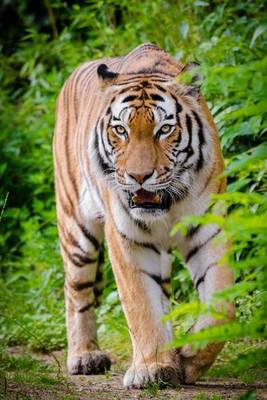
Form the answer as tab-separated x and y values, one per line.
140	178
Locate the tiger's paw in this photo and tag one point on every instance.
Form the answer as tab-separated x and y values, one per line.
159	374
196	363
91	363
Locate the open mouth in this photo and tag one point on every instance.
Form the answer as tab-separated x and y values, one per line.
149	200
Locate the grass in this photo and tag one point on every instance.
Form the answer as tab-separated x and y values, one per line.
233	361
26	376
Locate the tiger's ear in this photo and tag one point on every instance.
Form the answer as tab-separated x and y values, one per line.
106	76
191	77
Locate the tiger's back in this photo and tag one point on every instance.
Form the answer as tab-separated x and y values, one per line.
135	151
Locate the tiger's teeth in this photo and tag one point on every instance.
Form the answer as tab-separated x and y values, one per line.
142	197
157	198
135	198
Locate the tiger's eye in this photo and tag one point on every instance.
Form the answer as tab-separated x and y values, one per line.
120	129
165	128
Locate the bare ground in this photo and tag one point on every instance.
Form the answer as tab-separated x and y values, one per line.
109	386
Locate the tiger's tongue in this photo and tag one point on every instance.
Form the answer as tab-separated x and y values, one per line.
142	197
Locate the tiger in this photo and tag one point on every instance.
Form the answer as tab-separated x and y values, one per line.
135	151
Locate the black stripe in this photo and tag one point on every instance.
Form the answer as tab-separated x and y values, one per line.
178	106
160	88
106	152
86	308
160	108
171	116
195	249
201	133
106	169
141	224
202	141
129	98
78	263
98	290
202	278
171	159
188	149
156	97
101	255
141	244
71	257
68	237
81	286
192	230
159	281
156	278
75	243
89	236
84	259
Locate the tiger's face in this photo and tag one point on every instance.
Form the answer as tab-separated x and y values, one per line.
151	145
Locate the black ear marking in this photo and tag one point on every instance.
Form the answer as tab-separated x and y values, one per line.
104	73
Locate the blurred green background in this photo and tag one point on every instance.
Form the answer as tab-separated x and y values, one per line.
41	43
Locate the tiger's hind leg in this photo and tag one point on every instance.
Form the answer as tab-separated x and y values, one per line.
203	261
80	249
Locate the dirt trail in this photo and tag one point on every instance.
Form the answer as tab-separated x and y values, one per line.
109	386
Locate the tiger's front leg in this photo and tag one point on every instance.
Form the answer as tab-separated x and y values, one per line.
143	290
202	256
80	250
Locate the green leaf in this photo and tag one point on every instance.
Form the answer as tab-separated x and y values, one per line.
247	158
184	29
258	31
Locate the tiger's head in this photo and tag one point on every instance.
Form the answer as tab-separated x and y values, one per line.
150	141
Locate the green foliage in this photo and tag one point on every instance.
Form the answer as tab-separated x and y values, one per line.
37	54
23	376
246	360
